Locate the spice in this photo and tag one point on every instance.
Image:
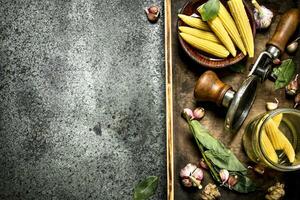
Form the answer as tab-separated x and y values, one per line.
232	181
199	113
217	157
152	13
191	175
189	113
272	105
275	192
210	192
262	16
297	100
224	175
292	88
202	164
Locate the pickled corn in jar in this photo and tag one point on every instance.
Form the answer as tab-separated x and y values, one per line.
273	139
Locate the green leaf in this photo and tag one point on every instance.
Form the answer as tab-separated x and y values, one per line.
206	139
244	184
284	73
209	10
225	161
146	188
239	68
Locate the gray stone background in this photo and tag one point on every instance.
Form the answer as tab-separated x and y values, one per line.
82	99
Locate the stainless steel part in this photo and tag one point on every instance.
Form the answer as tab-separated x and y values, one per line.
263	65
241	104
229	95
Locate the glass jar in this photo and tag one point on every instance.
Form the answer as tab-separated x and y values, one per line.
289	126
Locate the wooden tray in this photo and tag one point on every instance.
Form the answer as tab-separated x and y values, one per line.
181	75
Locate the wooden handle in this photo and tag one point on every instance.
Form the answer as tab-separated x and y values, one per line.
210	88
285	29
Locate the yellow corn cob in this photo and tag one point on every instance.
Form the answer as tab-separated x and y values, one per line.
205	45
231	28
194	22
289	150
200	34
275	135
218	28
239	14
277	119
268	148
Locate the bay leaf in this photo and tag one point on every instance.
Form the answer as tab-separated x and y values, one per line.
206	139
284	73
209	10
244	184
225	161
146	188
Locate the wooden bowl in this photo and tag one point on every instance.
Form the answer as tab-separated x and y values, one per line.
204	58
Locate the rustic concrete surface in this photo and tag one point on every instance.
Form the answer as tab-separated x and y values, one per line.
81	99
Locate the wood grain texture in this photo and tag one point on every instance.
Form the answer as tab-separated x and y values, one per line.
210	88
285	29
185	73
169	100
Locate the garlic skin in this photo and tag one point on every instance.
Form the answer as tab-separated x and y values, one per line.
198	174
191	176
297	100
187	170
224	175
152	13
199	113
272	105
202	164
262	15
292	88
232	180
189	113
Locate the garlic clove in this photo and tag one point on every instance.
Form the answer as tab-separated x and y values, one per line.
198	174
152	13
186	182
292	88
199	113
276	61
202	164
272	105
224	175
188	113
297	100
232	180
187	170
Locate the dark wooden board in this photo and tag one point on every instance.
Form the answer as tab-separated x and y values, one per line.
184	75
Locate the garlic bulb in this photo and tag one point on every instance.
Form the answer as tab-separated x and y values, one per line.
191	175
262	15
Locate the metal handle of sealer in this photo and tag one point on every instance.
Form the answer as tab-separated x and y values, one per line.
285	29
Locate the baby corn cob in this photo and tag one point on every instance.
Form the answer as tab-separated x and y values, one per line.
289	150
194	22
205	45
217	27
277	119
231	28
278	139
200	34
239	14
268	148
275	135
